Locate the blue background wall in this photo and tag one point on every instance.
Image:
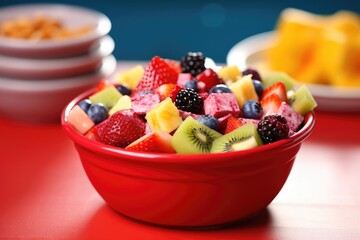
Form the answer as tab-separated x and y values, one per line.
142	29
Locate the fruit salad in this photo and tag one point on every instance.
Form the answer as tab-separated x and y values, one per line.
183	107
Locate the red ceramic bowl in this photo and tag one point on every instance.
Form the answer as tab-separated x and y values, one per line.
194	190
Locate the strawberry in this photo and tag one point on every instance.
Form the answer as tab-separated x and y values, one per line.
210	78
232	124
166	89
102	84
156	141
100	127
122	128
158	72
204	95
173	93
183	78
201	87
270	104
278	89
174	65
93	134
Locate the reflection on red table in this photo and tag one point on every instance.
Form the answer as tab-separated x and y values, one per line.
45	194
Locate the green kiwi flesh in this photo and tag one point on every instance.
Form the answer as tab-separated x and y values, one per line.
193	137
244	137
302	100
275	77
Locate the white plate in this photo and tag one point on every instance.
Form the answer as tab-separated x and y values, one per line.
53	68
70	16
251	52
39	101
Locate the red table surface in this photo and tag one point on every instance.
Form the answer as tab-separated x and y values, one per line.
45	193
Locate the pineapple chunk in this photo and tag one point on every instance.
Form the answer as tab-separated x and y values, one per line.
244	90
123	103
131	77
230	73
165	116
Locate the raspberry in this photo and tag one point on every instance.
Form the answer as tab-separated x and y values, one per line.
273	128
188	100
193	63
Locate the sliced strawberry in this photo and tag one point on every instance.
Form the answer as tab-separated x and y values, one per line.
156	141
270	104
204	95
201	87
183	78
102	84
100	127
93	134
174	92
210	78
278	89
158	72
122	128
165	90
232	124
174	65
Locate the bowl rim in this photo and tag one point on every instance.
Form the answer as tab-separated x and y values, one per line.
105	48
108	66
103	27
176	158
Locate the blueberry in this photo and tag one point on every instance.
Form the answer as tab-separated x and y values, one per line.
255	74
258	87
123	90
146	91
191	84
252	109
97	112
209	121
220	88
85	104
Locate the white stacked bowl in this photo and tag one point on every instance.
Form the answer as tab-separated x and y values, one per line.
39	78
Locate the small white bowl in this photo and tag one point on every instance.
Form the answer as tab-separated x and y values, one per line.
39	101
70	16
251	52
53	68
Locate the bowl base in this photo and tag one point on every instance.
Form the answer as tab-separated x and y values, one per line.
261	217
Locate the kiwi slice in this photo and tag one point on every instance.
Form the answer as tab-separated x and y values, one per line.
193	137
302	100
244	137
275	77
108	96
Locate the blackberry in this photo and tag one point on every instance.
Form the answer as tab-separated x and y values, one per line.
193	63
188	100
273	128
